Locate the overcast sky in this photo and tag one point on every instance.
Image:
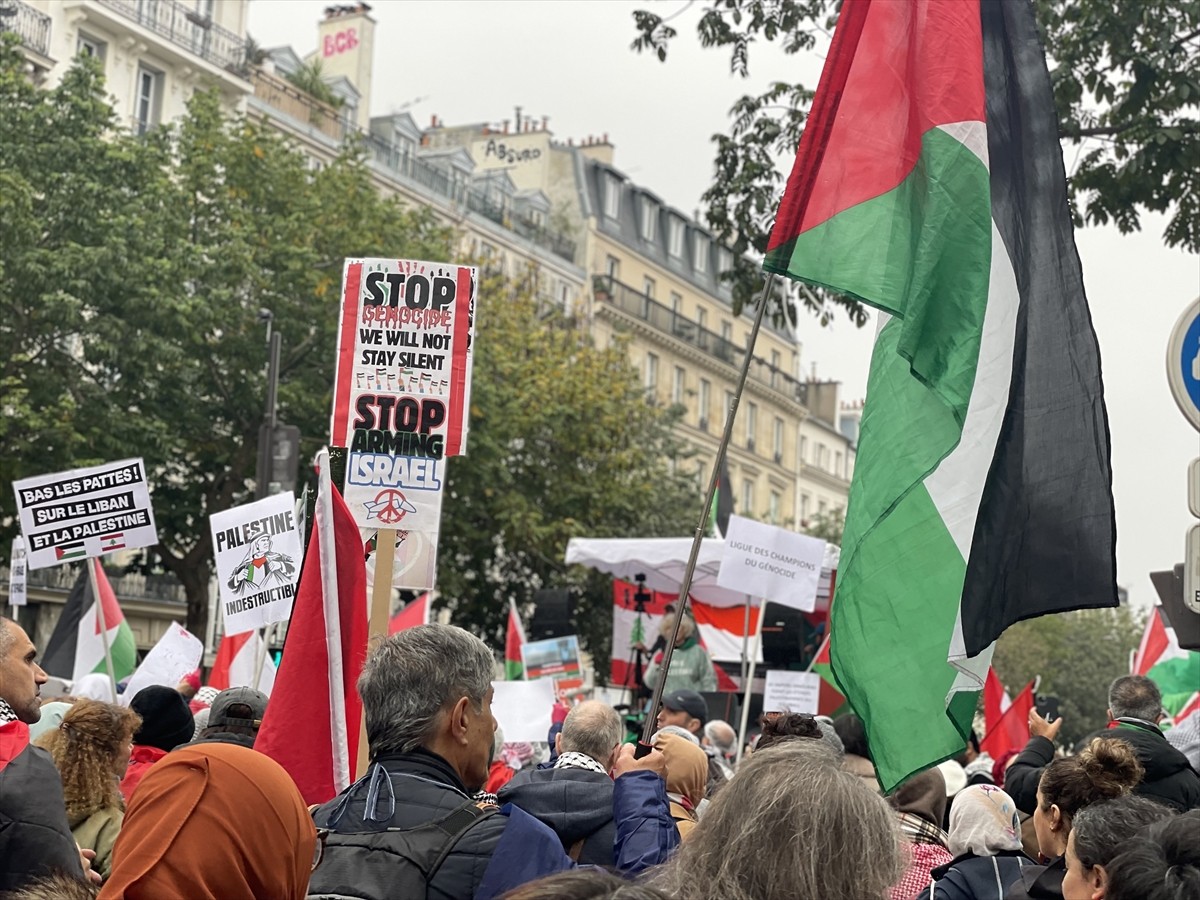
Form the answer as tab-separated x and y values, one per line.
475	60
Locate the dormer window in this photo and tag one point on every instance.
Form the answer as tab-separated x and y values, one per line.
612	195
675	231
700	249
649	221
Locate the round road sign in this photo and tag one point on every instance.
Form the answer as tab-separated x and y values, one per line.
1183	363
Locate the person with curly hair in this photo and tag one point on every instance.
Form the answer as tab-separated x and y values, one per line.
91	751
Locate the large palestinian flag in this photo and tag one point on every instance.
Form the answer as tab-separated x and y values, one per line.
76	648
929	183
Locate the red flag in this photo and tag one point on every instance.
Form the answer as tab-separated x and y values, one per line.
414	614
237	662
1011	731
312	723
514	639
995	700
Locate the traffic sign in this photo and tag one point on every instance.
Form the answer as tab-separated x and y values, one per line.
1194	487
1183	363
1191	570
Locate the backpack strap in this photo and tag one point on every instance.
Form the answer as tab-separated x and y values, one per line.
456	825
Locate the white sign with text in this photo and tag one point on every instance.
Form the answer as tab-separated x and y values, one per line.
523	708
176	654
796	692
773	563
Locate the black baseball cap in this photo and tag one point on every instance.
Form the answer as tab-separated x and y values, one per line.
689	702
241	706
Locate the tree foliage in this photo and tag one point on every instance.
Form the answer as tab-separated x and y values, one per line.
133	272
1126	81
1077	655
562	444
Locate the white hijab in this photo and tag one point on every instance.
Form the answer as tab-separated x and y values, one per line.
984	821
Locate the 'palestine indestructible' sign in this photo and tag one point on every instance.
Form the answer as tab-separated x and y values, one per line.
402	394
85	512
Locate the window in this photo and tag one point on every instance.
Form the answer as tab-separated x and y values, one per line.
89	46
612	267
649	222
675	238
773	508
724	260
775	360
705	401
751	424
700	249
747	497
651	373
612	195
678	384
837	464
727	331
803	448
821	506
804	502
648	286
676	302
702	316
148	103
822	456
777	441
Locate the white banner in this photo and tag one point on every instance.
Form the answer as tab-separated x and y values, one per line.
82	513
258	548
176	654
773	563
796	692
17	568
523	708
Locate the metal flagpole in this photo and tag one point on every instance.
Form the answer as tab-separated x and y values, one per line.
649	728
749	684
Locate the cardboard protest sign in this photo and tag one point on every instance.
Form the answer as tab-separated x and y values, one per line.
88	512
258	548
774	563
17	569
796	692
177	652
523	708
552	658
402	394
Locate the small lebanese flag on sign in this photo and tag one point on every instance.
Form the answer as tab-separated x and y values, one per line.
111	542
73	550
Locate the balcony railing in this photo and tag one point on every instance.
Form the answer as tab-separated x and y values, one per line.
31	26
185	28
281	94
162	588
666	320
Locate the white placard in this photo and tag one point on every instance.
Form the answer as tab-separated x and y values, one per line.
83	513
17	568
258	548
796	692
774	563
523	708
176	654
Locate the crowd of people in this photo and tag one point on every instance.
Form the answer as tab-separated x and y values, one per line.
167	798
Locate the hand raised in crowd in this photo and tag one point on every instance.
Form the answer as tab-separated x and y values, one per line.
654	761
1040	727
86	858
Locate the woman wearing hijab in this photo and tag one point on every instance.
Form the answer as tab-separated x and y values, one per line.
91	750
920	804
687	779
214	822
985	838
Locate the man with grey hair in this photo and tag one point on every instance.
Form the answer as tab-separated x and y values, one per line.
1134	711
575	797
409	828
719	741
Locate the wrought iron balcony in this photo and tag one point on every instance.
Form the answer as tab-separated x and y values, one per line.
31	26
666	320
184	27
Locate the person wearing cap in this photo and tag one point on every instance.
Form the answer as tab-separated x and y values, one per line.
688	710
234	717
166	723
691	667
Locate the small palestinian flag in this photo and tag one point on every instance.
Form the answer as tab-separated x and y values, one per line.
73	550
111	542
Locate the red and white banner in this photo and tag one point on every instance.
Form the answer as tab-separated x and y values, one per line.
402	394
237	660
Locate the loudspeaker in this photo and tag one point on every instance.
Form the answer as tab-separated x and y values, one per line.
551	614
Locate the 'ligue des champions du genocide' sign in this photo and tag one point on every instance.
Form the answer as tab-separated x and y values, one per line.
402	388
88	512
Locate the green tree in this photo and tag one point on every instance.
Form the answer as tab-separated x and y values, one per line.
562	444
828	525
1126	83
133	274
1077	655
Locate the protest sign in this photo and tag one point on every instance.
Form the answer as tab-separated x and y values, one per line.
82	513
16	573
774	563
796	692
523	708
552	658
177	653
402	394
258	548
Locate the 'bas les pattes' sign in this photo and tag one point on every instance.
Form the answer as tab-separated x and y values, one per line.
258	548
83	513
402	389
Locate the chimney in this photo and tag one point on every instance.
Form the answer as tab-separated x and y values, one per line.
545	123
346	47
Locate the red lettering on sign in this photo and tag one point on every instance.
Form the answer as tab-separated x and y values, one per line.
341	42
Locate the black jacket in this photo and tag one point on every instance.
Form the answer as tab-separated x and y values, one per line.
1169	778
577	804
35	839
1039	882
971	877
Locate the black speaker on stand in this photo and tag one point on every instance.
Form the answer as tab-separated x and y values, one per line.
553	608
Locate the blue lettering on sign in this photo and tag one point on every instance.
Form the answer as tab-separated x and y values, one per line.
1190	361
417	473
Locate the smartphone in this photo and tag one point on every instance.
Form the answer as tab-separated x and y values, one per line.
1046	706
